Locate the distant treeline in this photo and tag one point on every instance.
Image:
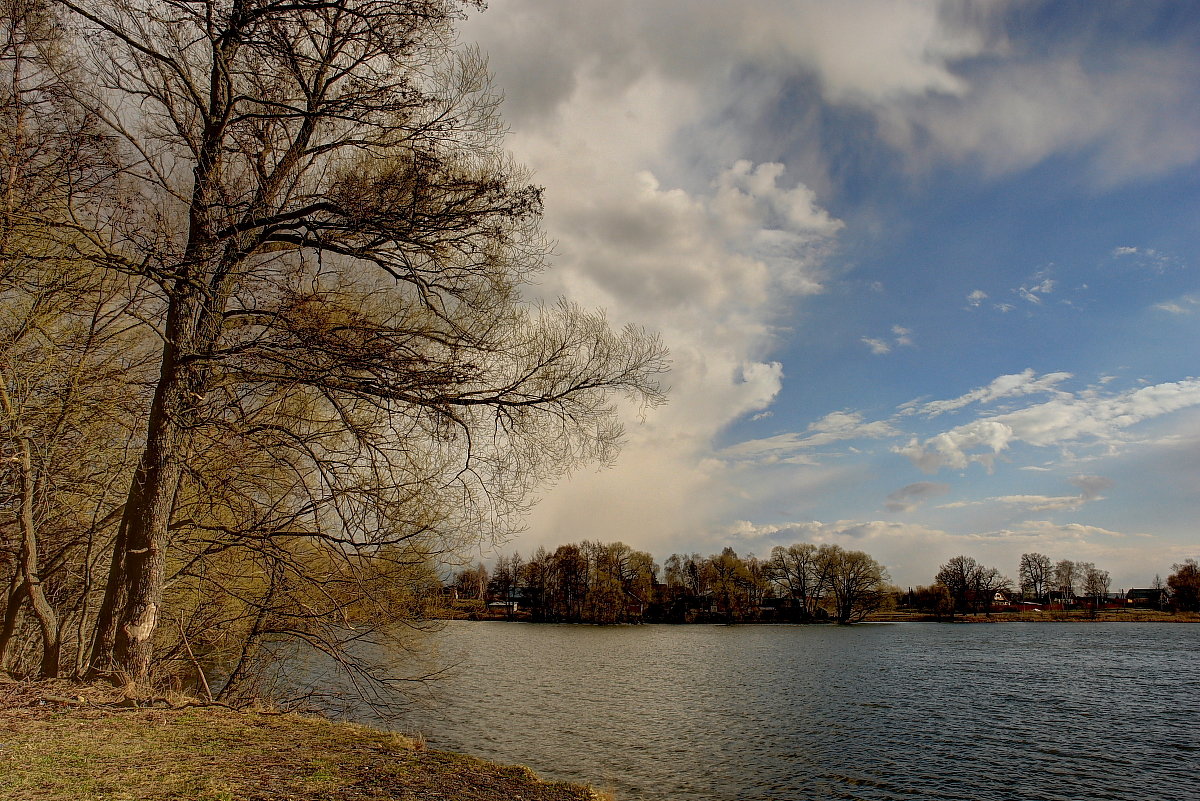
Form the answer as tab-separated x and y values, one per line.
594	582
965	586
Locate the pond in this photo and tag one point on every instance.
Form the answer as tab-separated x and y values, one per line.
876	711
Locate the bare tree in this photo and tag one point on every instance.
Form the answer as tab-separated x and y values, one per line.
758	581
971	585
71	345
1034	574
857	583
68	353
800	575
275	150
472	582
1067	578
570	578
959	577
1095	585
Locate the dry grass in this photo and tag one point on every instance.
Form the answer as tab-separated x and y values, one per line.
80	747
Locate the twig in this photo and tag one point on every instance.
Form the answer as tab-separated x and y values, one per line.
195	662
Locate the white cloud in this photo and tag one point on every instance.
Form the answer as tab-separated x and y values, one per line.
596	98
1052	532
1035	503
944	82
901	338
834	427
1088	417
950	449
1187	304
1129	113
877	346
1090	489
1025	382
1034	292
1147	258
976	297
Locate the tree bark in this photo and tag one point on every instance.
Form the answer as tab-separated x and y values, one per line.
12	616
197	300
30	579
133	595
42	610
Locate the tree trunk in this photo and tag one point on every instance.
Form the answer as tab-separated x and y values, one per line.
42	610
133	595
12	617
29	578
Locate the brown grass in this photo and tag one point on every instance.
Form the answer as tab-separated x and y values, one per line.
78	746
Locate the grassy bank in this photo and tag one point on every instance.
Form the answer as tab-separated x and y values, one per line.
63	743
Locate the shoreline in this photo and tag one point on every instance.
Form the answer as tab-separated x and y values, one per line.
65	742
1071	616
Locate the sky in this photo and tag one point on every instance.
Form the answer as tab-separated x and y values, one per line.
928	273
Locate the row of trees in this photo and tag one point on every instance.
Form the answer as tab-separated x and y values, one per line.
264	355
613	583
1038	577
964	585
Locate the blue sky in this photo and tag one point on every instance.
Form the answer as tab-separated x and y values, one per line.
928	272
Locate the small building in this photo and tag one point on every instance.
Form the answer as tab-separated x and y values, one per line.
1060	598
502	606
1146	598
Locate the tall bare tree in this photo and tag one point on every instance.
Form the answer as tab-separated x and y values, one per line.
1035	574
802	574
279	153
972	585
1067	578
1095	585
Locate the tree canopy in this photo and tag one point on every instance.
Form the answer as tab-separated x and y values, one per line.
310	250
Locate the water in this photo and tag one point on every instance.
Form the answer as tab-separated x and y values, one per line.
900	711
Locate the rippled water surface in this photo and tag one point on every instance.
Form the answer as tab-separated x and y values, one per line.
899	711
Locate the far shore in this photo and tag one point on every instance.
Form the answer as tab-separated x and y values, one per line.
903	616
1045	616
